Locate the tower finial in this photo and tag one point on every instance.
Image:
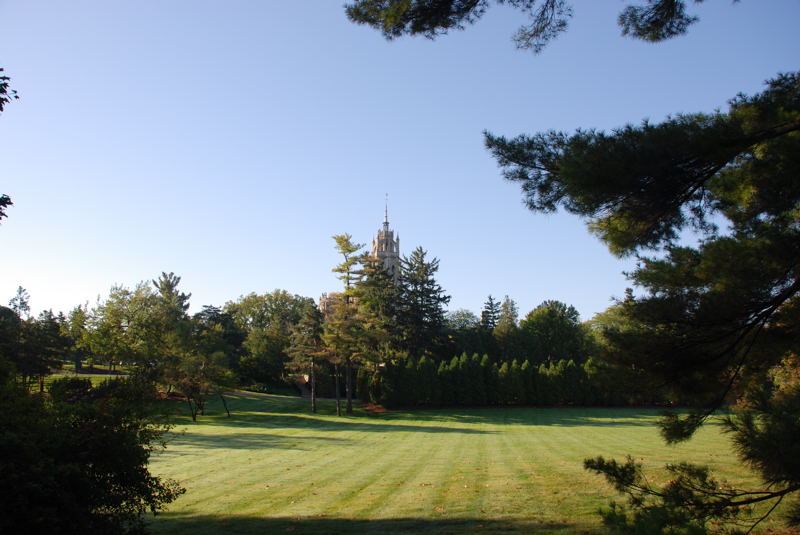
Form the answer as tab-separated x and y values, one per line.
386	212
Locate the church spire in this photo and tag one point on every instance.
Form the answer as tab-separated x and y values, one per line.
385	247
386	213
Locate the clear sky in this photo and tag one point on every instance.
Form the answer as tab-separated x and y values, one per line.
227	141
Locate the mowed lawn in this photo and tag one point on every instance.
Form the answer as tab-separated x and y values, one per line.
274	467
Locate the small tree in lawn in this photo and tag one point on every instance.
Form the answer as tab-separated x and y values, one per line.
201	376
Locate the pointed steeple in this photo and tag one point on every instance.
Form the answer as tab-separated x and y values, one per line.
385	247
386	213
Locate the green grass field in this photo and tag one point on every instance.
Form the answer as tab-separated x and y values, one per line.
274	467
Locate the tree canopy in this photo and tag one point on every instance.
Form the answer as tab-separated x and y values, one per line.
714	319
656	20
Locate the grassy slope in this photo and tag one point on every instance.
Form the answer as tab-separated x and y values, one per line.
275	467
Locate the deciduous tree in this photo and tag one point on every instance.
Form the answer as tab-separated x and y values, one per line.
77	462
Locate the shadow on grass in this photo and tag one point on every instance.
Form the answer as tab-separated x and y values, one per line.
548	416
176	524
251	441
253	417
273	413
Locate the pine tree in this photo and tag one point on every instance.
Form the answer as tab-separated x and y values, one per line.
344	331
490	313
307	347
711	316
377	296
658	20
421	311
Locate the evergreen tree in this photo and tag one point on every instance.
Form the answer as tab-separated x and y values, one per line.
410	385
545	386
377	296
528	382
40	348
20	303
490	372
347	269
490	313
342	334
516	385
391	379
306	347
421	311
477	380
344	330
503	385
658	20
712	317
456	378
444	373
427	382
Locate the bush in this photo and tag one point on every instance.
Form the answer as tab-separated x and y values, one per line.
76	462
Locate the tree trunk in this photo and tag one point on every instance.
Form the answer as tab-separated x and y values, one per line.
225	404
41	383
313	386
348	384
191	409
336	388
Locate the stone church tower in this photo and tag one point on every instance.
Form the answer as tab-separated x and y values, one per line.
386	248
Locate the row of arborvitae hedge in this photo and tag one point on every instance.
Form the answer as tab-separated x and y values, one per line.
477	381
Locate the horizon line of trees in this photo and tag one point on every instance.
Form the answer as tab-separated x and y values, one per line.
259	340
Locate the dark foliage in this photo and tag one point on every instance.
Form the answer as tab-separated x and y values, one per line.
656	21
716	317
77	462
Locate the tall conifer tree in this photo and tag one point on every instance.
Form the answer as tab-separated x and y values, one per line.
422	300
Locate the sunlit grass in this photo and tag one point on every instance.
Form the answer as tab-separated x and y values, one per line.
275	467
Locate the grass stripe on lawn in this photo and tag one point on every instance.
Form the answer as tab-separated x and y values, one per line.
274	467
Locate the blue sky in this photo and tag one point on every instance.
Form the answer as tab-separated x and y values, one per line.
228	141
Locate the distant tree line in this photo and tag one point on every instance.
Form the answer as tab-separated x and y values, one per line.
380	326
